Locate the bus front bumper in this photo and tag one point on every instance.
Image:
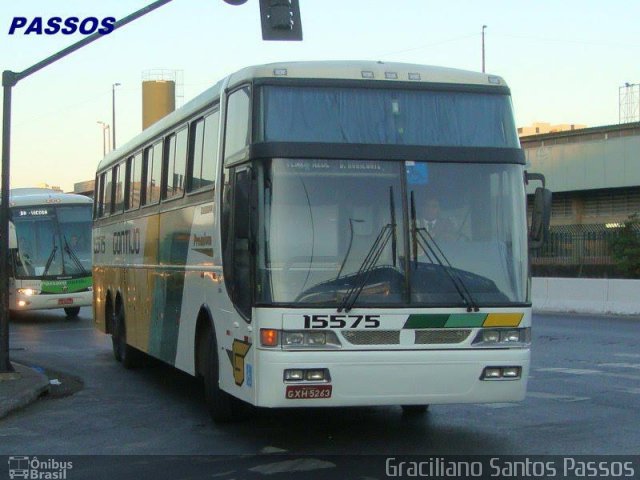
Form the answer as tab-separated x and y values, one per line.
367	378
21	302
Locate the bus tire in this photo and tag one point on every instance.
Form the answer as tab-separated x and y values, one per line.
72	312
414	409
223	408
124	353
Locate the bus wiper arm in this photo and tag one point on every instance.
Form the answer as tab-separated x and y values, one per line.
367	266
373	255
433	252
73	256
52	255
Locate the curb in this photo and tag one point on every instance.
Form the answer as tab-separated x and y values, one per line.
21	388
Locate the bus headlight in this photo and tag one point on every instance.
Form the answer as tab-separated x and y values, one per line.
503	337
292	339
28	291
304	339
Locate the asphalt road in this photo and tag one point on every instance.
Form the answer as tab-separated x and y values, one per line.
583	398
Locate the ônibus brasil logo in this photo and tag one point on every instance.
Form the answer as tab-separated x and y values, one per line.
65	26
34	469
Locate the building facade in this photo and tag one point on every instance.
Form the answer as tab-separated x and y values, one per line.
594	174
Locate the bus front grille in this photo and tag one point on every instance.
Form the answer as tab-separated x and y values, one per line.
377	337
441	336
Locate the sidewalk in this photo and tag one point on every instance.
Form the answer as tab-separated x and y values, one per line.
20	388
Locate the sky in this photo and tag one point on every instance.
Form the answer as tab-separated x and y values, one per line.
564	61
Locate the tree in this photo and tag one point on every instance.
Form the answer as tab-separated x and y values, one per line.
625	247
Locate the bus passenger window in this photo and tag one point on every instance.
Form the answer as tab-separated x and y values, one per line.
237	127
176	163
99	204
134	181
118	180
210	150
107	192
152	168
180	165
195	155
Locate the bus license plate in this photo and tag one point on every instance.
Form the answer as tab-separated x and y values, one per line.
65	301
308	392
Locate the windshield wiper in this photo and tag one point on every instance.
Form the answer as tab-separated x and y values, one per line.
52	255
73	256
388	232
434	252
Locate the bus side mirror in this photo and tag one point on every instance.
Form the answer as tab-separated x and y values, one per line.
540	217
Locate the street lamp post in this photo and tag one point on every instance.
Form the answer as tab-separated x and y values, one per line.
105	128
113	114
483	29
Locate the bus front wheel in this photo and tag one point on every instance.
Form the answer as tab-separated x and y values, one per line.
222	407
72	312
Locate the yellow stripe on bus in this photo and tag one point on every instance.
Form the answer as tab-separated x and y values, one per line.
503	320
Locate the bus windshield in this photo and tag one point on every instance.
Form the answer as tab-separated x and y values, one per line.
331	226
387	116
52	241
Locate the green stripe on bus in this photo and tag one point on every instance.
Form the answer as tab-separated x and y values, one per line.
426	320
459	320
66	286
445	320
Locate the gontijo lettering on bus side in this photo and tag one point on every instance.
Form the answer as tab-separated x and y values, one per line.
126	241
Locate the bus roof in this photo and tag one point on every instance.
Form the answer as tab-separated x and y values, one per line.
366	71
23	197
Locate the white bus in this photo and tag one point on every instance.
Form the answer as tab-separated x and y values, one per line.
270	237
50	248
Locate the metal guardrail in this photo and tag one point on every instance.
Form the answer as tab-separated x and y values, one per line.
578	245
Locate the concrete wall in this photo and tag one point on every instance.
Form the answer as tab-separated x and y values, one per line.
586	295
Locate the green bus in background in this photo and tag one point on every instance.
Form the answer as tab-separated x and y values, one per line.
50	248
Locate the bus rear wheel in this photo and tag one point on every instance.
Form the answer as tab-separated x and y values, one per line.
222	407
72	312
122	351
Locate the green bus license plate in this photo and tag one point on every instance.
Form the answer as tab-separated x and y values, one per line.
308	392
65	301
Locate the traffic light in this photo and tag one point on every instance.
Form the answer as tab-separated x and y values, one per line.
280	20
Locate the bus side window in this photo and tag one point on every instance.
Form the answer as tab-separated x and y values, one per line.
134	181
108	195
152	166
242	241
180	164
195	155
99	203
169	155
237	126
210	149
118	181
